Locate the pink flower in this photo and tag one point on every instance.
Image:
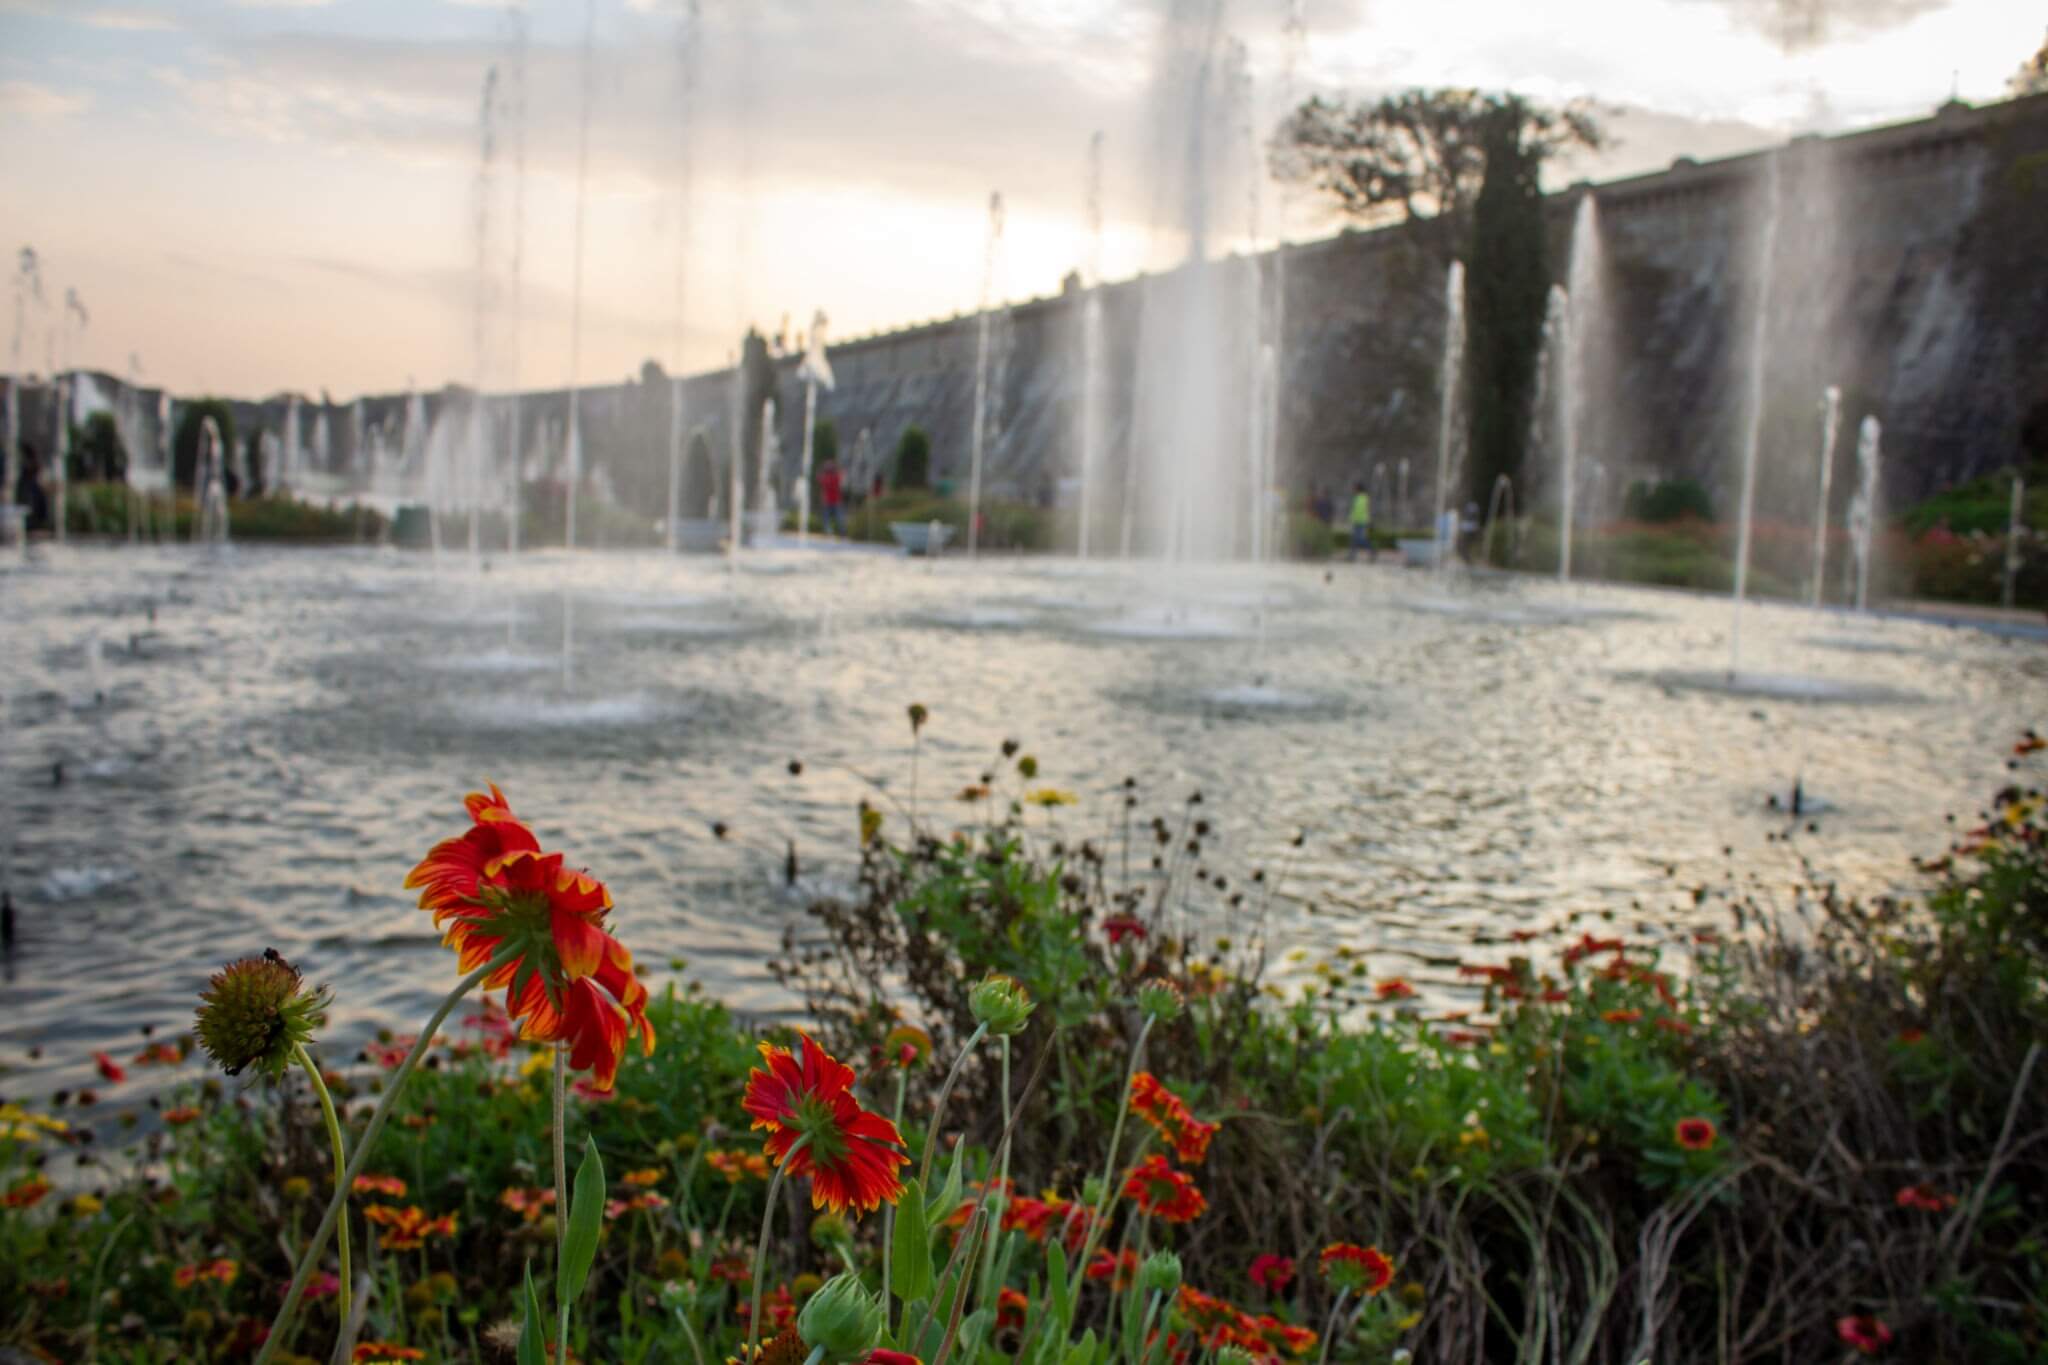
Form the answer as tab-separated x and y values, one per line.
1867	1334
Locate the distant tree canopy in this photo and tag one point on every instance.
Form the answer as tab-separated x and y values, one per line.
824	442
185	441
97	451
2032	77
1420	154
1507	284
700	476
913	459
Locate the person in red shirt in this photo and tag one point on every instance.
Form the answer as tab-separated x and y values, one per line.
831	494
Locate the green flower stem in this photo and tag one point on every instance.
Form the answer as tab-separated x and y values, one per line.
310	1257
931	1136
889	1210
561	1196
761	1247
1145	1329
305	1060
817	1354
1123	1109
988	1259
1330	1328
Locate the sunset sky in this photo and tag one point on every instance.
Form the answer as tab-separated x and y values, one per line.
267	194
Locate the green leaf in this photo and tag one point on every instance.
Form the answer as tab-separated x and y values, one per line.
586	1220
533	1342
1082	1351
949	1193
910	1271
1056	1287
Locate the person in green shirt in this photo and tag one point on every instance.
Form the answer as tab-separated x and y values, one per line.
1361	524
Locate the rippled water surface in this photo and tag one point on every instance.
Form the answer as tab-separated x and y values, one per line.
207	756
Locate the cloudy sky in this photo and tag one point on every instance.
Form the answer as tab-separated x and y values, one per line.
254	195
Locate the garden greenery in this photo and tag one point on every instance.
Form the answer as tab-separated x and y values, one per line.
1056	1104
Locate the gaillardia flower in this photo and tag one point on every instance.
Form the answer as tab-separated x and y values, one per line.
491	890
1695	1135
256	1012
851	1155
1165	1193
1362	1270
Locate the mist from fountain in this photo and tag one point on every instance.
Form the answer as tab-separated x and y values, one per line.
2015	524
814	370
1863	508
688	40
289	456
983	321
767	503
1450	392
1830	428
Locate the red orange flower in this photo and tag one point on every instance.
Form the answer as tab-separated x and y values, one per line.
1695	1135
1119	1269
1168	1114
110	1069
25	1193
529	1203
384	1353
1272	1273
1622	1016
1121	927
408	1228
1867	1334
221	1272
179	1115
369	1182
1011	1306
851	1154
1925	1198
1394	988
1363	1270
1165	1193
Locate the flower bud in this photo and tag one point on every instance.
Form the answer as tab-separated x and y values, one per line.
1160	1274
842	1318
256	1012
1233	1355
1000	1003
1160	1000
1092	1190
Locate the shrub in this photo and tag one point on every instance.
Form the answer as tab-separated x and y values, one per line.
913	459
1667	500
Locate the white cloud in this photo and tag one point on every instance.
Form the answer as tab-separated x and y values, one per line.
37	103
130	20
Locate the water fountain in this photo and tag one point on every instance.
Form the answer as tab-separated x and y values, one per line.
1830	426
1092	354
687	42
516	274
983	319
573	445
209	476
1502	498
1753	413
736	492
288	457
814	370
1863	508
1450	386
2015	524
476	432
767	504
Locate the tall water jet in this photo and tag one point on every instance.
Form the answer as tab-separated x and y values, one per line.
28	288
516	272
735	494
814	370
1450	385
288	448
1830	426
1554	415
1195	368
767	503
574	441
1863	510
483	309
1091	350
2015	523
1579	376
981	359
686	88
1753	414
210	478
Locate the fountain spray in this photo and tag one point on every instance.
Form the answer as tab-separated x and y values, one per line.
1753	426
1864	515
1451	382
982	319
686	79
1556	356
574	443
1830	427
814	371
28	288
480	317
517	14
2013	526
1091	348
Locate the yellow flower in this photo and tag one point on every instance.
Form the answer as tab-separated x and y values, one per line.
86	1205
1049	797
19	1125
540	1061
1475	1136
1407	1323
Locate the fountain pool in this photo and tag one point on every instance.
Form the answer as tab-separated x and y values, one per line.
275	736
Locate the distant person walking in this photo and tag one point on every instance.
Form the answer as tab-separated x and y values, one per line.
1361	524
831	493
